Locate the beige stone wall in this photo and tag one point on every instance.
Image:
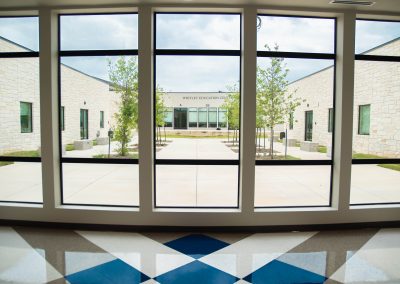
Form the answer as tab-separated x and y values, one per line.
19	82
377	84
194	99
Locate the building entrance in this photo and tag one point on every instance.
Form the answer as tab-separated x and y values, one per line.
180	118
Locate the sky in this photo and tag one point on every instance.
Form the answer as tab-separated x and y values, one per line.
197	73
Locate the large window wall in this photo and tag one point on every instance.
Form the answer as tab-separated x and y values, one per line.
223	165
376	131
197	53
20	167
295	91
99	99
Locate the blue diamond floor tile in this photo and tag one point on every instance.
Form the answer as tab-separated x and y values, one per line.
196	272
196	245
115	271
280	272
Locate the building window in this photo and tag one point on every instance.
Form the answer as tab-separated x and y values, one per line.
62	117
364	119
193	117
26	117
212	117
202	117
222	118
169	113
101	119
291	121
330	120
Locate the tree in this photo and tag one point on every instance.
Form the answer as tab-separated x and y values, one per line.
161	112
232	107
123	75
274	102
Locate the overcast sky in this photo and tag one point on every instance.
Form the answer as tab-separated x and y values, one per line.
197	32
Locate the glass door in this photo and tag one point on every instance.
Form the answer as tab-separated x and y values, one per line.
309	125
84	124
180	118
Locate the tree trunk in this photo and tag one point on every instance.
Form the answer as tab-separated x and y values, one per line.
271	145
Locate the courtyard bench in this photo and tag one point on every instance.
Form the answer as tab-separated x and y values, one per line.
83	144
102	140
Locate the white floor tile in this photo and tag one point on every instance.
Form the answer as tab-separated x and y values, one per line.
251	253
20	262
144	254
377	261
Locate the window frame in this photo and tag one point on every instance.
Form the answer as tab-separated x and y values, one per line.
30	117
20	54
102	119
304	55
360	119
194	52
377	58
76	53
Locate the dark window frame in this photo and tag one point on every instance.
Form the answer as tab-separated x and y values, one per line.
194	52
76	53
304	55
378	58
62	118
330	120
4	158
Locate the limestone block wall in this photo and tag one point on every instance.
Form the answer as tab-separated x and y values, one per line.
80	91
19	82
377	84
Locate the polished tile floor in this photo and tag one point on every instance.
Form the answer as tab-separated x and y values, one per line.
37	255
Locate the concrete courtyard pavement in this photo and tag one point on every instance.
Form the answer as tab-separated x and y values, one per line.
199	185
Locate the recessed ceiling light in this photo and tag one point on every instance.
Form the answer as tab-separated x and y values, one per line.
354	2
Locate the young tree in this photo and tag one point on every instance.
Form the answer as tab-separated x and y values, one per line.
161	112
232	107
274	103
123	75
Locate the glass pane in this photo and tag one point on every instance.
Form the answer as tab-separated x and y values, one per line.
26	117
377	37
280	186
19	34
376	110
202	117
193	117
364	119
304	95
196	186
296	34
212	117
90	85
221	118
21	182
101	184
19	107
204	83
330	120
381	186
169	113
198	31
106	31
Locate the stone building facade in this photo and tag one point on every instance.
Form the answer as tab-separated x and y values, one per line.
377	85
19	82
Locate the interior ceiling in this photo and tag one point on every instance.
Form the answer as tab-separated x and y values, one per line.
381	6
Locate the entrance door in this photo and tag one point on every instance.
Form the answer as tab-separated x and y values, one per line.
84	124
309	125
180	118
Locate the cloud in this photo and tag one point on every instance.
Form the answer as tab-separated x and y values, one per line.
88	32
21	30
370	34
297	34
